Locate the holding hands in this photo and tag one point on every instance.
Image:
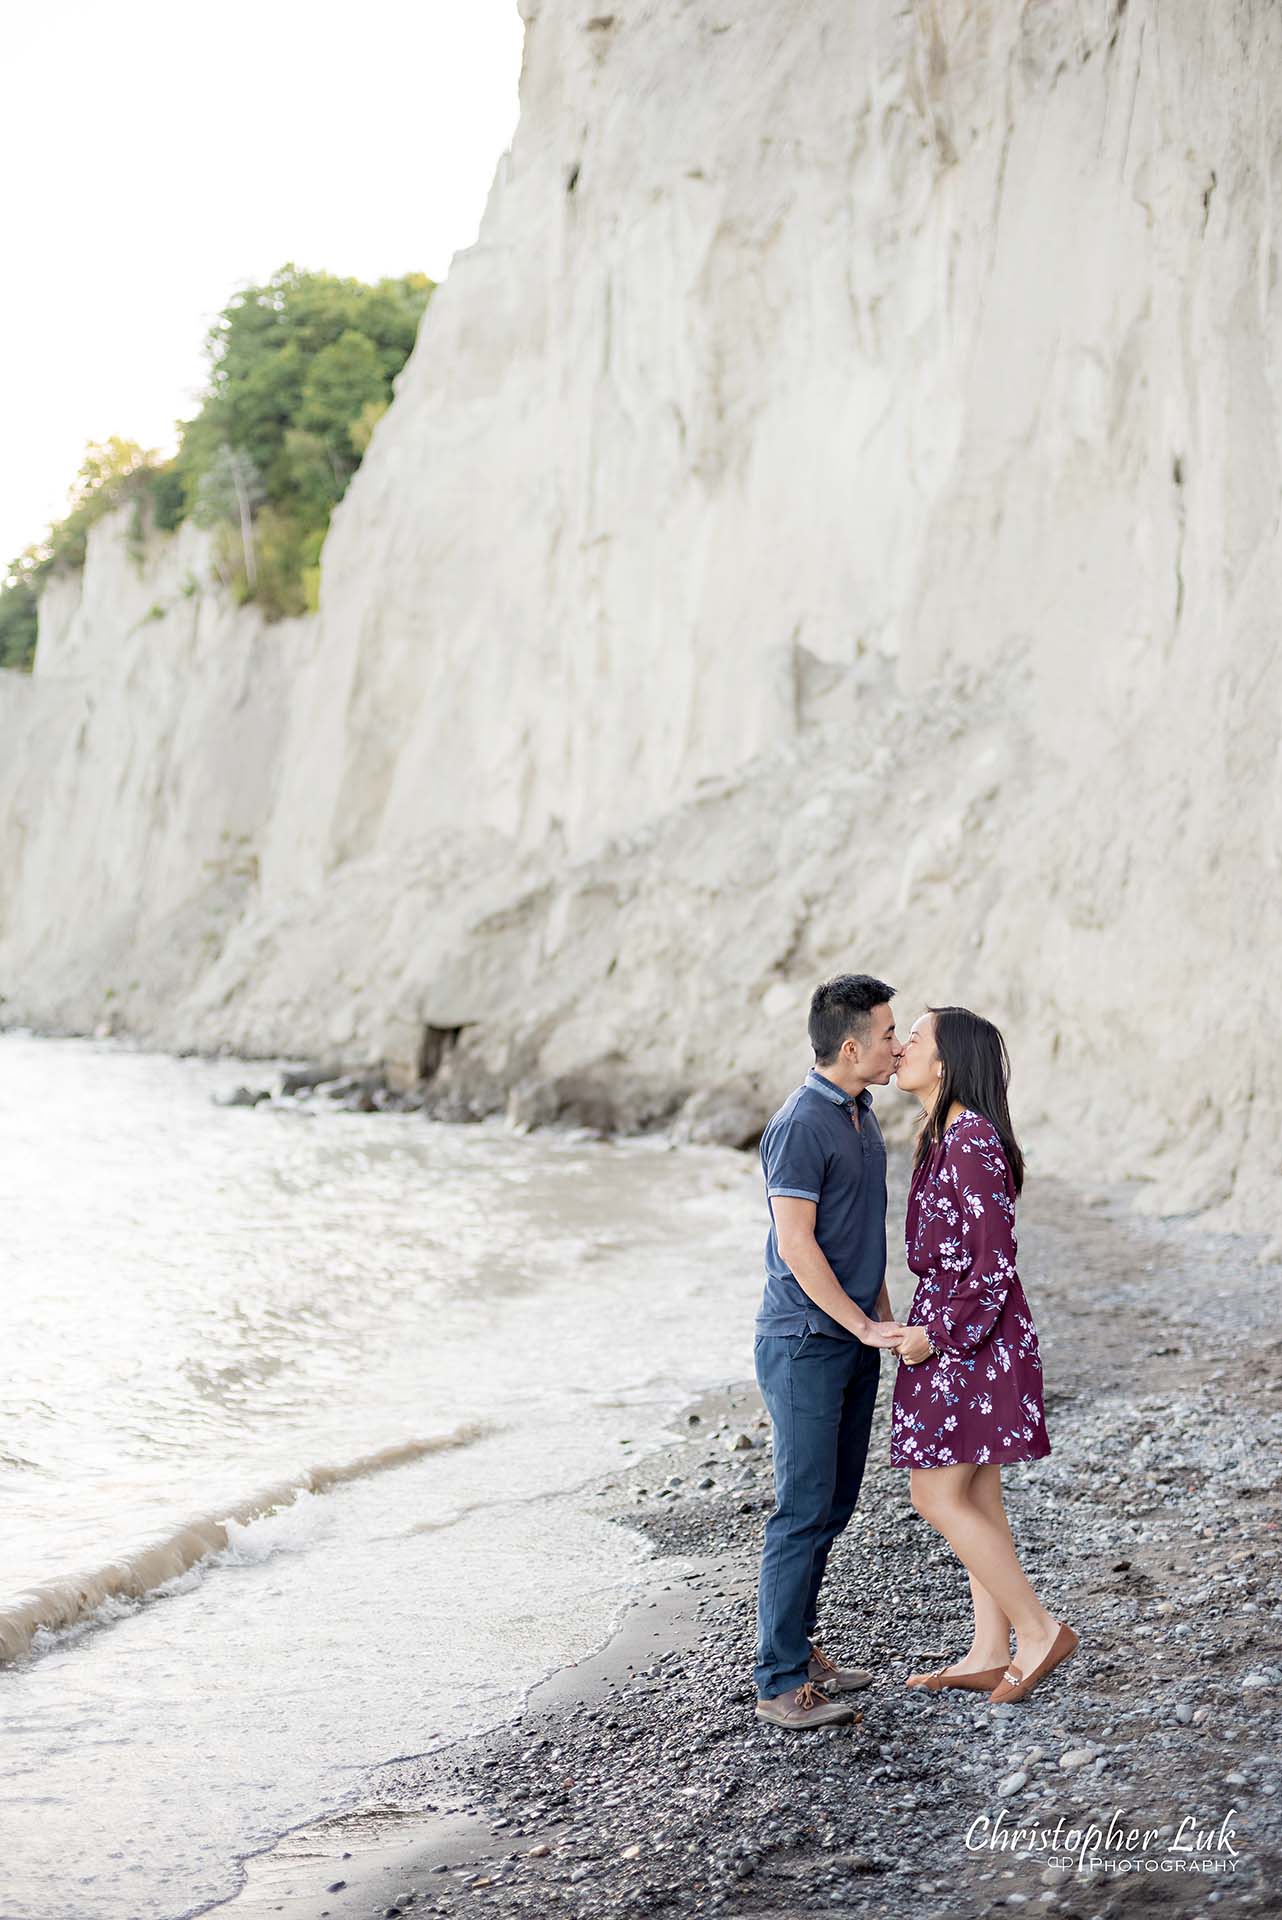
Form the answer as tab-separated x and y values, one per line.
914	1346
910	1344
881	1333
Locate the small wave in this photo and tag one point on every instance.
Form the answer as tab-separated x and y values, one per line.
57	1605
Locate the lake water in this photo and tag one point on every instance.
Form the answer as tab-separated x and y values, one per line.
397	1351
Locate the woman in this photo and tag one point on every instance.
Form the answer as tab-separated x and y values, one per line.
968	1397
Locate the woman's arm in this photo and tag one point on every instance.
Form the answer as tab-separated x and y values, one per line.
982	1260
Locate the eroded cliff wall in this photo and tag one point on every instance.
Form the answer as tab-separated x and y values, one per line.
831	518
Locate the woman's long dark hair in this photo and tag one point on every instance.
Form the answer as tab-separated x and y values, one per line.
977	1074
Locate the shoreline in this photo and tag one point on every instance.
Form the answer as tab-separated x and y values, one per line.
640	1781
380	1851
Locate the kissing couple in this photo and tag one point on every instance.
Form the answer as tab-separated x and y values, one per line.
968	1391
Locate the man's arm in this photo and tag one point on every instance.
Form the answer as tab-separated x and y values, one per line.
801	1252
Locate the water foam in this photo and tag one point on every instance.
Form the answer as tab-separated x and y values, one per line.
29	1622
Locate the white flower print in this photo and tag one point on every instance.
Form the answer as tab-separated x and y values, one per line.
980	1397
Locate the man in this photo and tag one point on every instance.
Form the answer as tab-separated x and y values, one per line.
824	1318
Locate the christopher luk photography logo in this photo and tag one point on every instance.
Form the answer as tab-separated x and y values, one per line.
1191	1844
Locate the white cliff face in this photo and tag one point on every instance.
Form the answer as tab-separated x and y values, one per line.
830	519
137	765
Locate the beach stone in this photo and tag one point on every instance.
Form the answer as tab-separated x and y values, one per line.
304	1079
242	1097
684	1801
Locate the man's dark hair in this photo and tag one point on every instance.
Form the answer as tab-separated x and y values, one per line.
839	1008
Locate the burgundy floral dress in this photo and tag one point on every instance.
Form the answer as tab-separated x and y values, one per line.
980	1398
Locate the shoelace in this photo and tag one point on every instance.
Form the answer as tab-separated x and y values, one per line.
810	1696
821	1659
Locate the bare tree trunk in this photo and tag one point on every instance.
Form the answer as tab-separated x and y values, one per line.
246	526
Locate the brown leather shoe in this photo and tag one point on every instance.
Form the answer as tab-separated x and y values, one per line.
1018	1686
834	1679
803	1708
977	1682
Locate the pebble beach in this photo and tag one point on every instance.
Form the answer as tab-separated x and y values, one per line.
1142	1777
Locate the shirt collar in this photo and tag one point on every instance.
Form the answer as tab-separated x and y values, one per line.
838	1095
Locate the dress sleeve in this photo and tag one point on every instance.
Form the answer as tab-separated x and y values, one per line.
980	1256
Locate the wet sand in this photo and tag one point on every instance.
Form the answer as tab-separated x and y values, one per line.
640	1781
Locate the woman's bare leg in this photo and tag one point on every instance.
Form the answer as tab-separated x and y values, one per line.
984	1546
990	1642
990	1646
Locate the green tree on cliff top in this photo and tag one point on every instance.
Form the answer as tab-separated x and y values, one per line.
111	472
300	370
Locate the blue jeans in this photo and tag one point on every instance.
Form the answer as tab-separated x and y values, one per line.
819	1392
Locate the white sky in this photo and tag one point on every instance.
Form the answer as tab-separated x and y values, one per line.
155	155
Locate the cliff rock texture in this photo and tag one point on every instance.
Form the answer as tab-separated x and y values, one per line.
830	519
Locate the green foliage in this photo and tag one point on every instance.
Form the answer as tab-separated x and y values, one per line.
18	600
168	497
361	431
279	588
316	486
111	474
300	371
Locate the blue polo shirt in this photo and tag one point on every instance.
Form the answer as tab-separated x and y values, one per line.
812	1150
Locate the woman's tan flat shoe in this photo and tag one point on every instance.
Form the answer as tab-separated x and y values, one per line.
1018	1686
978	1682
